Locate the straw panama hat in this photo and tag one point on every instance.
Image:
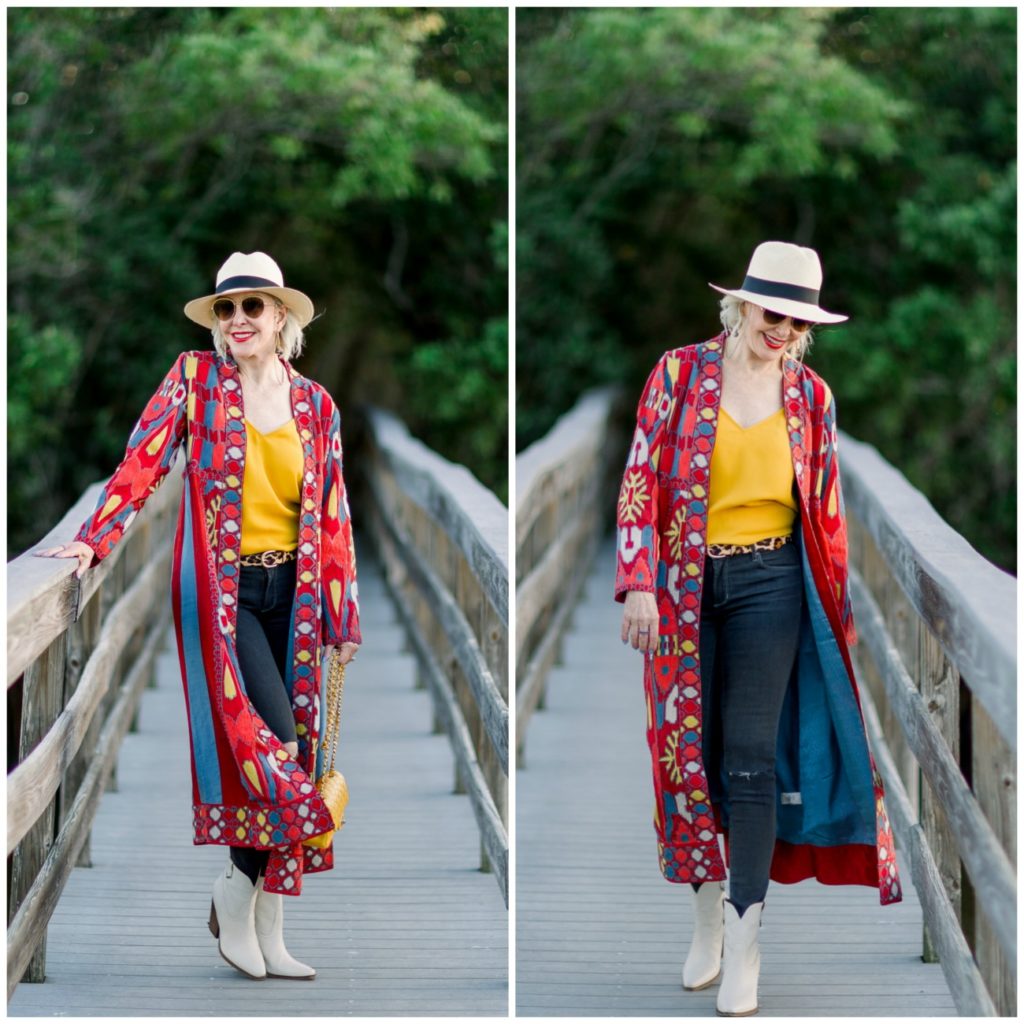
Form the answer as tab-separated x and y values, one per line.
786	279
250	272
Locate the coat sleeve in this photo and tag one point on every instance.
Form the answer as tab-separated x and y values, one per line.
637	550
833	513
340	594
148	458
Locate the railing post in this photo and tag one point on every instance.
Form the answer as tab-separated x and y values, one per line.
994	782
82	638
42	702
940	688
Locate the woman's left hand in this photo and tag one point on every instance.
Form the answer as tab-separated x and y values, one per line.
345	652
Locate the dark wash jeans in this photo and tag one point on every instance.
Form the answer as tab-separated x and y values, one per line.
749	635
263	633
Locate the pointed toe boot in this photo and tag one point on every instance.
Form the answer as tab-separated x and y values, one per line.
232	922
737	995
704	960
270	934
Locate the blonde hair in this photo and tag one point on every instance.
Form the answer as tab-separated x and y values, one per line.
290	338
733	320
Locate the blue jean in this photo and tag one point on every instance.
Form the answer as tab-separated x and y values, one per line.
263	632
749	636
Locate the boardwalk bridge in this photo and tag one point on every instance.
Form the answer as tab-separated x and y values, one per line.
598	931
107	897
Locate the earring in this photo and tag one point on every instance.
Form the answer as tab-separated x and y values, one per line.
734	335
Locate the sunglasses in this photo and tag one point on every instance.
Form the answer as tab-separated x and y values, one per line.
252	307
774	319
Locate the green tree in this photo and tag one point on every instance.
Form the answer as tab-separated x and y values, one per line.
657	147
145	145
928	365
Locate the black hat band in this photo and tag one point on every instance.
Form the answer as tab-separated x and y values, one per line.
778	290
244	281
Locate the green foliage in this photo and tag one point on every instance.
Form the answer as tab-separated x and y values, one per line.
41	367
457	388
364	148
457	380
657	147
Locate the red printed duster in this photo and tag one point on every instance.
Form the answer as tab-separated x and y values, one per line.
246	789
831	819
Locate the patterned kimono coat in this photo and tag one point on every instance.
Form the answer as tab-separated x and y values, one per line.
246	789
831	820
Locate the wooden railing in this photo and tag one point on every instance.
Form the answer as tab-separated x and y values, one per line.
79	655
937	665
442	538
561	482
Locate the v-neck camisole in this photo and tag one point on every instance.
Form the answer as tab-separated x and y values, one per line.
751	481
271	489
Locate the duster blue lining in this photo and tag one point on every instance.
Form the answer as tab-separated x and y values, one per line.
204	745
822	752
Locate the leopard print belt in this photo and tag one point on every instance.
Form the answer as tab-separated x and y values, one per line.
768	544
268	559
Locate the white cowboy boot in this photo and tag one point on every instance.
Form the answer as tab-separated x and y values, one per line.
704	960
270	934
737	995
231	921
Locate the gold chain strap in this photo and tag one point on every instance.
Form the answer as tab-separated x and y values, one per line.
335	690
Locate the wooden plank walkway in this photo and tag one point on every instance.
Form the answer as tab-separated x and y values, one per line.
405	924
600	933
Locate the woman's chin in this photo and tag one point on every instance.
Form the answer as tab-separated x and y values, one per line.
244	350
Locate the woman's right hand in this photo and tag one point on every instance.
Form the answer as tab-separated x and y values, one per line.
640	621
76	549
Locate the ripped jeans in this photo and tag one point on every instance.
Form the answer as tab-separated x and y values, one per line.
749	635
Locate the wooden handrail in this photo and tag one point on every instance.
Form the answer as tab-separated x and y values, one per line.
561	482
937	659
968	603
442	538
33	782
72	702
958	966
985	860
34	913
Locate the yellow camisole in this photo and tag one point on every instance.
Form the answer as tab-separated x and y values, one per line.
271	489
751	482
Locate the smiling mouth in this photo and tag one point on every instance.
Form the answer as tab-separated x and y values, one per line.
773	342
243	335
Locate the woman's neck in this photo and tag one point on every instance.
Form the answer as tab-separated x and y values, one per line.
262	372
741	359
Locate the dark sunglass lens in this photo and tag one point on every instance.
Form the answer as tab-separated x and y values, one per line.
252	306
801	325
771	317
224	309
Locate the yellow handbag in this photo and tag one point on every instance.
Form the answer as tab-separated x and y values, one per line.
331	785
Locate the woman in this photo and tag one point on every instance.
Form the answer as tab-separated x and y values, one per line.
732	565
263	585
